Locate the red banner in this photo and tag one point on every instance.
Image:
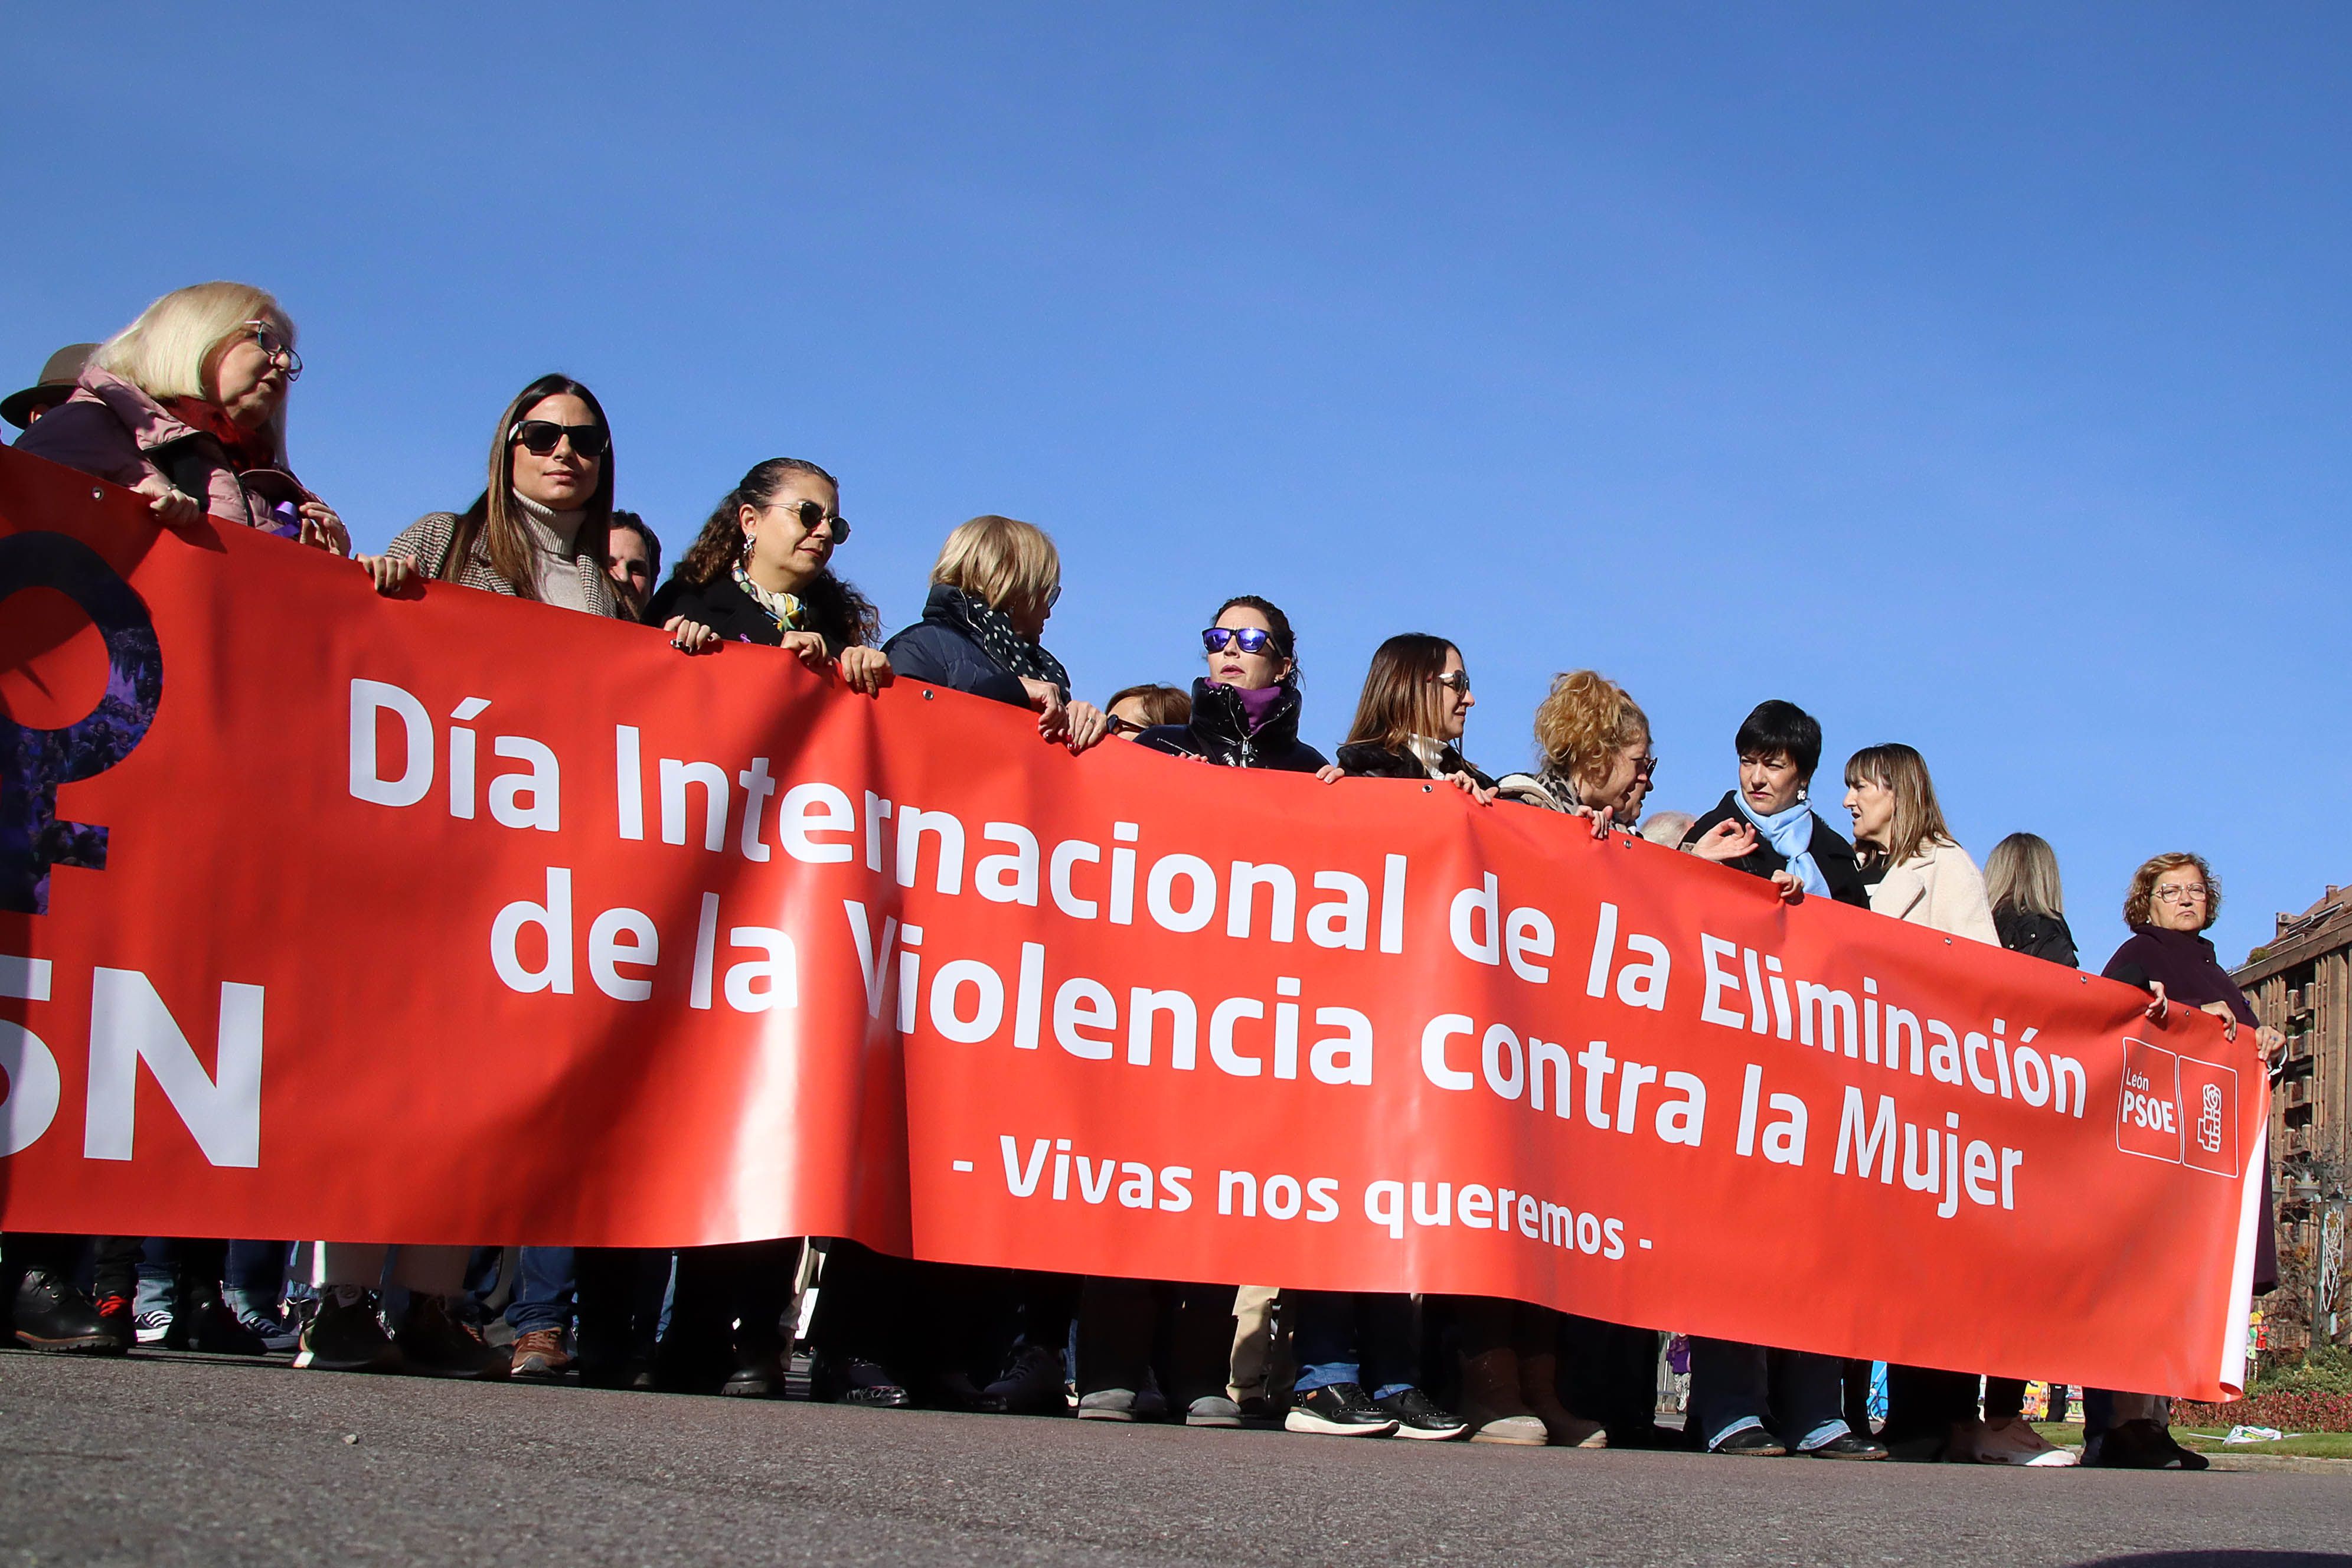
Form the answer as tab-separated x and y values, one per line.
455	918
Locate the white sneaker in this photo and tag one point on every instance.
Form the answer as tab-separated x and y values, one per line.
2010	1441
152	1326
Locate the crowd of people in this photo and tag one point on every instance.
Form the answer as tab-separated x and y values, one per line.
187	406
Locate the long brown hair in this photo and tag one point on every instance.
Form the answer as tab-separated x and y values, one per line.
835	609
1400	698
496	519
1919	823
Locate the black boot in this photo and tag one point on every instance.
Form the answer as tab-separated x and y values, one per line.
203	1323
51	1315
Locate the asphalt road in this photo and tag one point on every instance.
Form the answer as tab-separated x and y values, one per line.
179	1459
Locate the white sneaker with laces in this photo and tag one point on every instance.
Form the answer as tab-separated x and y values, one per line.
150	1326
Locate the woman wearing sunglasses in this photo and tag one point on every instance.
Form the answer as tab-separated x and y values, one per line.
762	572
538	530
1409	721
1245	712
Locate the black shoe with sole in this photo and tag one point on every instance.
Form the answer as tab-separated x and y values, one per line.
345	1335
854	1380
1751	1443
1418	1416
51	1315
2145	1446
1847	1448
1338	1410
203	1323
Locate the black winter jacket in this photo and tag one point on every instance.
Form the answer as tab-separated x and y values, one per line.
1831	853
1219	732
2041	936
1368	760
939	650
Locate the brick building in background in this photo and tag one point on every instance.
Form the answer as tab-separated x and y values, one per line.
2301	985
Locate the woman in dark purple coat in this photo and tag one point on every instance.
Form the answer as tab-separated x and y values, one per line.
2173	900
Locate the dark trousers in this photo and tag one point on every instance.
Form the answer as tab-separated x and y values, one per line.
1130	1327
1608	1373
1921	1403
1360	1337
935	1326
729	1309
1793	1394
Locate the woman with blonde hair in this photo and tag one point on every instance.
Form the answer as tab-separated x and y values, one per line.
187	406
1917	872
2174	898
1593	746
993	588
2029	902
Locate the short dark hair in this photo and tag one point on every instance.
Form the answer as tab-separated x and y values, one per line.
1162	704
632	522
1782	729
1285	642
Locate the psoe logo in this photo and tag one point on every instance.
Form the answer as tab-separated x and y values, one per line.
33	763
2147	1116
2212	1140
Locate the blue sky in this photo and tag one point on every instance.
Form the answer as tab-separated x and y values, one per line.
1977	379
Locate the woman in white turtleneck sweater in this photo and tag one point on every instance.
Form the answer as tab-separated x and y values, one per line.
539	531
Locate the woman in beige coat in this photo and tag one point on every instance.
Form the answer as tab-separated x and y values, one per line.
1917	872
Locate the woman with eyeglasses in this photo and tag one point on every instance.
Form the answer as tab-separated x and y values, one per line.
538	530
1245	711
1410	719
2173	900
762	572
187	406
1593	745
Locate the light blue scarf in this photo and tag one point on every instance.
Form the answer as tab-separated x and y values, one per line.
1790	832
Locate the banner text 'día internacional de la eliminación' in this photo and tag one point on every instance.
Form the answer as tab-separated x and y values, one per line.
457	919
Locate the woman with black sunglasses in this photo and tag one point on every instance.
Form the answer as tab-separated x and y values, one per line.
538	530
762	572
1245	712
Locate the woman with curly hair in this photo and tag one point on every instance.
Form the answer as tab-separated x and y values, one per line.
2174	899
1592	750
762	571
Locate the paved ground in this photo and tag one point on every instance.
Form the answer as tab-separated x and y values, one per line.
178	1459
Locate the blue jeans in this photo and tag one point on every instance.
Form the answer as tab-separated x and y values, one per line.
543	1290
1793	1394
1345	1336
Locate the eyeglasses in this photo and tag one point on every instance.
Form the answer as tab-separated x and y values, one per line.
1646	768
266	339
810	514
542	436
2195	894
1454	681
1252	639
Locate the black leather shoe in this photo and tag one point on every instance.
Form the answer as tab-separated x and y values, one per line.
1848	1448
1752	1443
1418	1416
2145	1446
203	1323
51	1315
757	1376
1338	1410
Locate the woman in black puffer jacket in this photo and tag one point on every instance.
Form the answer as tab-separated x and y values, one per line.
1246	714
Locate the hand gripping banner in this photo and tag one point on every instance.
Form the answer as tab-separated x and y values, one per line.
456	919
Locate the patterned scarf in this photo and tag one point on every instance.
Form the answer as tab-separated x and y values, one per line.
785	609
993	629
